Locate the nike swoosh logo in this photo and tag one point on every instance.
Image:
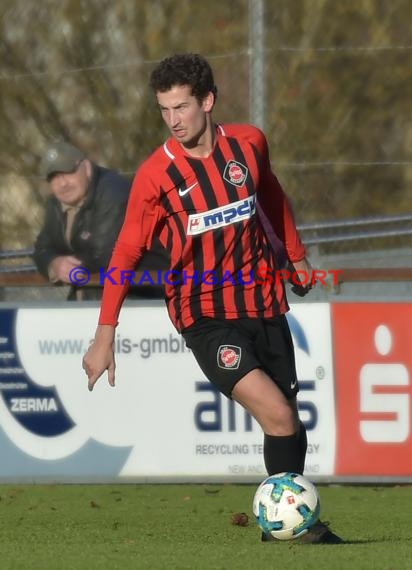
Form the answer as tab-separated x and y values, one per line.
184	191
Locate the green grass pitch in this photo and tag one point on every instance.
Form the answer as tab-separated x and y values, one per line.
71	527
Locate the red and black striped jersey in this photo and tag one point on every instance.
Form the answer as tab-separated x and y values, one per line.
205	212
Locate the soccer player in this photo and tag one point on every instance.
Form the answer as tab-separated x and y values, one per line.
201	192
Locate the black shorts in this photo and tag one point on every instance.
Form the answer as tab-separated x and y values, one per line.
226	350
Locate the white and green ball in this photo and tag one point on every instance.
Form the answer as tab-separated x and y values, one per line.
286	505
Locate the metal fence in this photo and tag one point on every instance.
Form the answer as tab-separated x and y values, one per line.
366	272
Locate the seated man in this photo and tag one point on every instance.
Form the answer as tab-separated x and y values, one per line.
84	215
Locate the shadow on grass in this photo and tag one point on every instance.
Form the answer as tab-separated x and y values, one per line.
357	541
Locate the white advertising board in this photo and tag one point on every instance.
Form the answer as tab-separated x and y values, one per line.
162	421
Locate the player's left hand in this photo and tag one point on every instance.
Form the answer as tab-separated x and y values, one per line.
301	277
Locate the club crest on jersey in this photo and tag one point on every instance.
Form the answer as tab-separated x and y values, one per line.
235	173
228	356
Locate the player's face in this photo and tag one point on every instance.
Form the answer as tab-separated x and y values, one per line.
71	188
185	117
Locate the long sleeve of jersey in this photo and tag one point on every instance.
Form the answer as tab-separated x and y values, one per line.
277	209
134	238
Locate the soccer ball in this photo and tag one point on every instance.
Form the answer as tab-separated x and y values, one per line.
286	505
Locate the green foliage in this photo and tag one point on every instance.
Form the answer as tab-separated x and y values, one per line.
190	527
343	109
336	90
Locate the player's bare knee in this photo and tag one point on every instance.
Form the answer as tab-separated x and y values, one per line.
281	421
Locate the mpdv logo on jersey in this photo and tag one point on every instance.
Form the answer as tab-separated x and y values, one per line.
222	216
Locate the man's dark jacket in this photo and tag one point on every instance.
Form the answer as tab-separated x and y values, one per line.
95	230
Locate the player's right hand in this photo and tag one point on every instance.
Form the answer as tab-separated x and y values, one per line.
100	357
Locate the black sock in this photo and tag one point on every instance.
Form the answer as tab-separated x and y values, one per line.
303	445
282	453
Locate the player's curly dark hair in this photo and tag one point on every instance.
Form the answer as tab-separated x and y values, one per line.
184	69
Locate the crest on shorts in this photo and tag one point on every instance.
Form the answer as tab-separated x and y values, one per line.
228	356
235	173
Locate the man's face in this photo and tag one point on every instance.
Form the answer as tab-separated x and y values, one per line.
71	188
183	114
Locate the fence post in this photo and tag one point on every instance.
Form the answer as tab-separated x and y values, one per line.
257	76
